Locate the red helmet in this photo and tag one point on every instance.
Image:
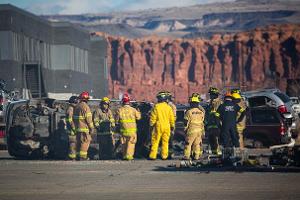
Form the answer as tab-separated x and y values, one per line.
84	95
125	98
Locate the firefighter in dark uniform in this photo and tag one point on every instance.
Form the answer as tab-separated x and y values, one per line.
105	124
228	112
71	127
212	122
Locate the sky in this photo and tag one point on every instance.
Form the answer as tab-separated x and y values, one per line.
44	7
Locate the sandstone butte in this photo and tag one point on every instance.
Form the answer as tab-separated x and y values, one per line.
266	57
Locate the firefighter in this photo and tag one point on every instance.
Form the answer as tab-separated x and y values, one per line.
162	123
71	127
194	119
228	112
241	126
84	125
212	121
127	117
104	123
170	102
173	106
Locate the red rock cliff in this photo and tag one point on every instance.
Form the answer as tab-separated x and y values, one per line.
264	57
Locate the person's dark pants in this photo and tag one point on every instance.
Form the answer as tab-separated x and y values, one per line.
171	151
230	137
106	146
214	138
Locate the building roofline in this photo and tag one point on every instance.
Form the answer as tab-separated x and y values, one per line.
10	7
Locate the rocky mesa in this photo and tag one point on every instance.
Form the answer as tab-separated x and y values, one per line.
264	57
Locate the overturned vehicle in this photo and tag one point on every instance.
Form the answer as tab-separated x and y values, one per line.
37	129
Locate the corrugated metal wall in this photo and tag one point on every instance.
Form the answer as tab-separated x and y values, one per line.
69	61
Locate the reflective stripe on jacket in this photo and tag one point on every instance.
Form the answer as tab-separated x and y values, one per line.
83	118
126	117
162	116
103	121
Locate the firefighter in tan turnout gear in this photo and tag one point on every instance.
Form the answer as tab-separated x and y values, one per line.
105	124
127	117
84	125
194	128
162	123
241	126
71	127
212	120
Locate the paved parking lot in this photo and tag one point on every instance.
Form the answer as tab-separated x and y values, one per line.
139	179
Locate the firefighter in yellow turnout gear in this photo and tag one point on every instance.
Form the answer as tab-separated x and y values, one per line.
71	127
105	124
162	122
84	125
194	120
127	117
241	126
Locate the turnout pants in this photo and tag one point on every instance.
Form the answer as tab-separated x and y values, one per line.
157	136
230	136
83	143
128	146
171	151
192	142
106	146
72	147
241	137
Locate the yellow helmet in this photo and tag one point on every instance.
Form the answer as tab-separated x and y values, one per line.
213	90
236	90
105	100
236	95
195	99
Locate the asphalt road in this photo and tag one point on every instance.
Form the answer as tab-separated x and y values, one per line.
139	179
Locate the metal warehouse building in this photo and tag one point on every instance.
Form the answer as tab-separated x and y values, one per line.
50	59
